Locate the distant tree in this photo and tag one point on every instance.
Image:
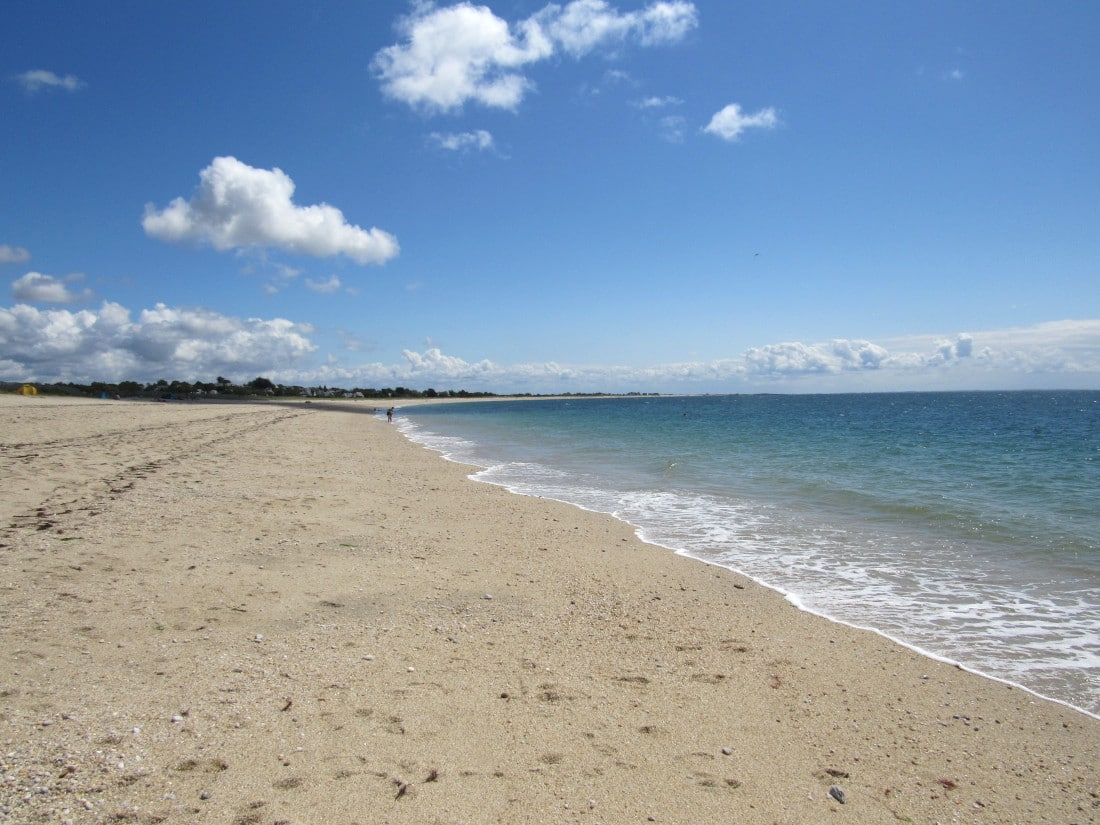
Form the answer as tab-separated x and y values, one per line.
262	384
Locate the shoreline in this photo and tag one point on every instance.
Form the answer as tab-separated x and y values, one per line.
299	615
792	597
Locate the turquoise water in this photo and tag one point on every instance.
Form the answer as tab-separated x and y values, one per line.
966	525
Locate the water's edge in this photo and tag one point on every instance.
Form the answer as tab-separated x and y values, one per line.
482	470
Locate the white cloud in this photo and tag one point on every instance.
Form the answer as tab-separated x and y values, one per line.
1066	348
833	357
585	25
238	206
433	363
59	345
13	254
1058	354
657	102
39	288
331	285
466	53
666	22
38	79
461	141
730	122
460	53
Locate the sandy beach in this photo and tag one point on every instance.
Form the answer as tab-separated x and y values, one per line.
287	613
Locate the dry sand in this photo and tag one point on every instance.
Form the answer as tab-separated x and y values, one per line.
289	614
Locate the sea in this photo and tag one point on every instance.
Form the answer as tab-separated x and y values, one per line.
965	525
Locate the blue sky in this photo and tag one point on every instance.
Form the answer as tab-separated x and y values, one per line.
518	196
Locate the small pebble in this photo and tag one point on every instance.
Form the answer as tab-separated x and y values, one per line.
727	751
836	793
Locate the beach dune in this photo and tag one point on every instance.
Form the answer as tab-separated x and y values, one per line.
287	613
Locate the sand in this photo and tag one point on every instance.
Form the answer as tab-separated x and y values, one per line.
264	613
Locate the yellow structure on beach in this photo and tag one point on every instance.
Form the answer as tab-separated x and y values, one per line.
27	389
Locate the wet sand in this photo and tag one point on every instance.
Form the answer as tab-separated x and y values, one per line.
266	613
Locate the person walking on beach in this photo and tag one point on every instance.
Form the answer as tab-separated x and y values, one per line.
389	415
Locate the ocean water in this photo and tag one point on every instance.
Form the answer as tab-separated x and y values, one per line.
966	525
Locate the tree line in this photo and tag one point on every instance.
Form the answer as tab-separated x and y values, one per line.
224	388
262	387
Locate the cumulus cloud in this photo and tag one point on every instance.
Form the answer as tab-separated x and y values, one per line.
241	207
433	363
462	141
1067	348
164	342
36	80
948	350
730	122
829	358
46	289
584	25
461	53
839	356
13	254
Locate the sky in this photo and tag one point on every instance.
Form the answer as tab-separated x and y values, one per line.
679	196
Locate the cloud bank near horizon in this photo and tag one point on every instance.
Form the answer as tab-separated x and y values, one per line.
107	344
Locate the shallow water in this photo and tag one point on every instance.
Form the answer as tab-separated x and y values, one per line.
963	524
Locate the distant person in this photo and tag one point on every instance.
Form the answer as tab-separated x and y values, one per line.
389	415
